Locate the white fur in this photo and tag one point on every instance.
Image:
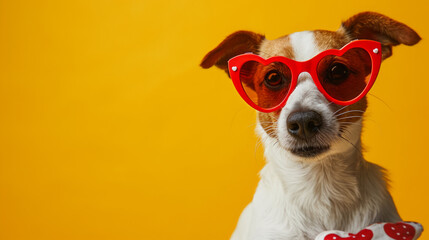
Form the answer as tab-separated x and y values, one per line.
303	45
299	198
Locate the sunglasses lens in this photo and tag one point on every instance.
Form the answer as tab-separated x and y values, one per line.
345	77
265	85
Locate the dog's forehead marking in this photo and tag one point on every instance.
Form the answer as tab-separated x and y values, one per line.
303	45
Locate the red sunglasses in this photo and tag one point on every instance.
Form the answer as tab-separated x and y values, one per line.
343	76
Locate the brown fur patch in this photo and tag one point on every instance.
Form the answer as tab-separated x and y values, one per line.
277	47
329	40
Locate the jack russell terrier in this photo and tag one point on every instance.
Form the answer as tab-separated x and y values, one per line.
309	89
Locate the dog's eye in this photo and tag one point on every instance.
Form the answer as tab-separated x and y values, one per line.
274	80
338	73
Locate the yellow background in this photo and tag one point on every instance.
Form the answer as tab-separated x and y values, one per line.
110	130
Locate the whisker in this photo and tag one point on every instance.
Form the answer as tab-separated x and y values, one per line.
354	146
348	117
348	112
341	108
381	100
349	123
258	144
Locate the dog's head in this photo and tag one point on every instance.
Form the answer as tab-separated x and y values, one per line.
309	125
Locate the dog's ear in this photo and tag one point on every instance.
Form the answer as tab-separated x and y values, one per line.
375	26
235	44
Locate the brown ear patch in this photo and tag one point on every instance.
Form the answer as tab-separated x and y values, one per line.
237	43
371	25
375	26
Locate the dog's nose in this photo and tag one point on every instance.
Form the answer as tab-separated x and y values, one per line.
304	125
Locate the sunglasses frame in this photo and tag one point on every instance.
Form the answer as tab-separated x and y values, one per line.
373	48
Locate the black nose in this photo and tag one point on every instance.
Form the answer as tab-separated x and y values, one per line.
304	125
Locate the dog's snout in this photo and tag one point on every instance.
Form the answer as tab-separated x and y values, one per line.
304	124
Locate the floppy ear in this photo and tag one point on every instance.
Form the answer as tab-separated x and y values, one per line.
235	44
375	26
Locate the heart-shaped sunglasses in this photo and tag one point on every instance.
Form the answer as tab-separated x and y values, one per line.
343	76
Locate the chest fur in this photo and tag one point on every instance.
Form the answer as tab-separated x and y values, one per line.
307	200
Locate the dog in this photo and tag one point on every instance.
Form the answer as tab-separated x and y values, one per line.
310	92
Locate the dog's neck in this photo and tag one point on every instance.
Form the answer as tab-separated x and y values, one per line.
330	182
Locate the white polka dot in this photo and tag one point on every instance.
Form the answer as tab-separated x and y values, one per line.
363	235
408	233
398	234
404	226
334	237
393	228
